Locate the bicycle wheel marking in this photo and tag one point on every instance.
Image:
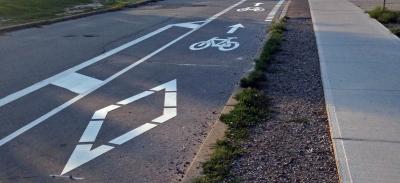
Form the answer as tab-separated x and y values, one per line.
255	9
223	44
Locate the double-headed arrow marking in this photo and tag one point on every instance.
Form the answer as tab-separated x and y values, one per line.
83	153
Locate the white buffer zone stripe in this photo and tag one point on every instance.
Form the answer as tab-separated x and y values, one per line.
50	80
76	82
273	12
43	83
83	153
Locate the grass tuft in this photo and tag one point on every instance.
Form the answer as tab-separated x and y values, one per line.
396	31
254	79
217	168
384	15
251	109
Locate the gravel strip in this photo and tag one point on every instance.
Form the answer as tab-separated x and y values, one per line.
293	145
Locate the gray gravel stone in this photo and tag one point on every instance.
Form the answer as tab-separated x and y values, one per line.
293	145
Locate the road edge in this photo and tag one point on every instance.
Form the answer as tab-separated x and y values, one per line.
219	128
72	17
216	133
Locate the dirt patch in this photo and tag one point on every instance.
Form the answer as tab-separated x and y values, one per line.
371	4
82	8
294	144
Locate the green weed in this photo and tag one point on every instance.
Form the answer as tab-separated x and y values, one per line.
251	109
385	16
254	79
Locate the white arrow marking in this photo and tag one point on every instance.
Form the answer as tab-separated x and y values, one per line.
50	80
170	99
91	131
101	114
234	28
169	87
258	4
168	114
132	134
83	153
136	97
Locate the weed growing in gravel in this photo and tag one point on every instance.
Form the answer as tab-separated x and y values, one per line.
255	77
217	168
252	108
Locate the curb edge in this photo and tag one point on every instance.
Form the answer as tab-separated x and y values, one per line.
218	130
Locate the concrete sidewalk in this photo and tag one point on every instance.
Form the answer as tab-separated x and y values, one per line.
360	63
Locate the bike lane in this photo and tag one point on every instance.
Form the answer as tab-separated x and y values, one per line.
204	79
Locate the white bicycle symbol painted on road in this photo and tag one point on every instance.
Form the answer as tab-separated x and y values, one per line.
222	44
250	9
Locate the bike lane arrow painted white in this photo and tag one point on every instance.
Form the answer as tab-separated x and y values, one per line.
258	4
234	28
83	153
194	26
206	79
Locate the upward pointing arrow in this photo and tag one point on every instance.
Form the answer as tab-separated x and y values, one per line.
234	28
258	4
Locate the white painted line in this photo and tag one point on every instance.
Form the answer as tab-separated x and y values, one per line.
67	177
170	99
190	25
76	82
73	100
168	114
82	154
91	131
136	97
132	134
102	113
47	81
273	12
169	86
258	4
43	83
233	28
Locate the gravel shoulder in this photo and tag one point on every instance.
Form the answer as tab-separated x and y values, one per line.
294	144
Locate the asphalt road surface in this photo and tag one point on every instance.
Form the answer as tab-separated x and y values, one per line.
126	96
